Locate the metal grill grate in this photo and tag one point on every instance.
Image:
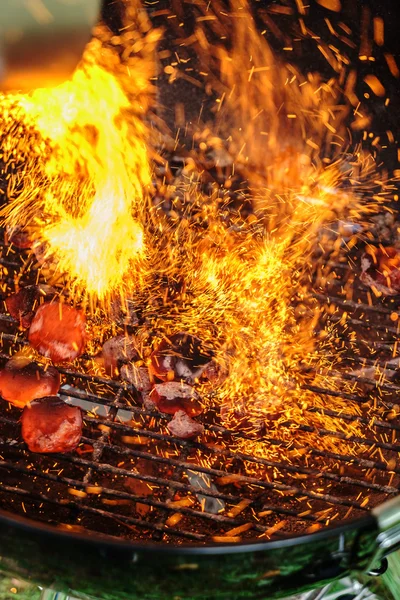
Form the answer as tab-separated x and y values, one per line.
128	474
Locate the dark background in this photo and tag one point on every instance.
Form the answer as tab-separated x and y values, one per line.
385	116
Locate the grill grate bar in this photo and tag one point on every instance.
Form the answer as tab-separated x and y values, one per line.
220	473
285	480
96	511
228	454
134	498
349	417
322	432
346	304
365	325
98	445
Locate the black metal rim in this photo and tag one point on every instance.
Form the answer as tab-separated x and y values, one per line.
106	542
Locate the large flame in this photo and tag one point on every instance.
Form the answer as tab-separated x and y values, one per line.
84	188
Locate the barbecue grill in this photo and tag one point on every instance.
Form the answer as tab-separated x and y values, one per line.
73	518
138	513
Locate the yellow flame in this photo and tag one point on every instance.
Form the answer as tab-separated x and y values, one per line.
86	195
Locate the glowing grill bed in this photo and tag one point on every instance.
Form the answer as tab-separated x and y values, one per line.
130	478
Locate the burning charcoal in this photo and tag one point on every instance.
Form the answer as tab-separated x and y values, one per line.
19	238
58	332
148	403
184	427
137	376
22	380
173	397
181	357
124	312
381	270
116	350
21	305
50	425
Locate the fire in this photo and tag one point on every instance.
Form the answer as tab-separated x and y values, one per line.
85	186
237	279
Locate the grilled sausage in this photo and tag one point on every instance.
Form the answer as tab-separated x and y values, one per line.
22	380
50	425
58	332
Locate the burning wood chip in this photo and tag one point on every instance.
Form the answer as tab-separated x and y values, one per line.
186	501
173	519
229	479
184	427
93	489
181	357
77	493
58	332
22	380
138	376
136	440
239	530
381	270
243	504
118	349
50	425
173	397
21	304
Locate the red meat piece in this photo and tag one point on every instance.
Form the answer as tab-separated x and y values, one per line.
19	238
58	332
22	380
381	269
50	425
137	376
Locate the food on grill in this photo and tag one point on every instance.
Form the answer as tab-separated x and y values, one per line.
51	425
58	332
173	396
117	350
21	305
180	357
138	376
183	426
381	269
23	380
